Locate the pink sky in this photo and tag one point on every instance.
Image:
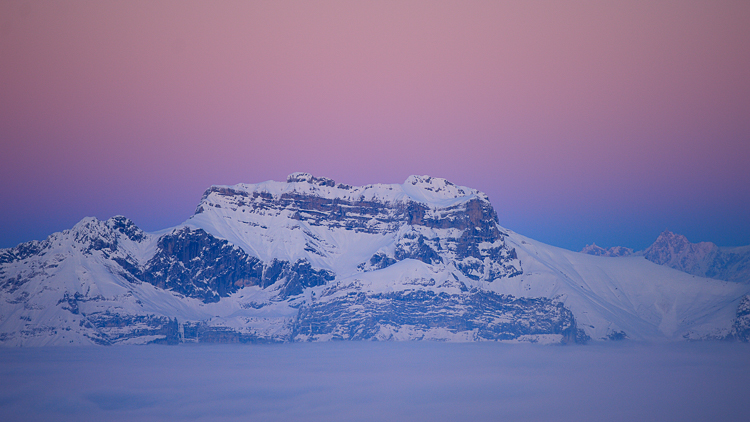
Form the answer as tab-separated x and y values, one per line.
585	122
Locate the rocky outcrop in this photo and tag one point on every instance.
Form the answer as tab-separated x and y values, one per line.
196	264
309	178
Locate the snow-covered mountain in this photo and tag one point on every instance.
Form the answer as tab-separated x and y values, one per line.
311	260
703	259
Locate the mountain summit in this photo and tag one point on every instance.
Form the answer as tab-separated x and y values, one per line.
312	260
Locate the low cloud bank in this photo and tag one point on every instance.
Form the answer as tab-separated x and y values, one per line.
378	381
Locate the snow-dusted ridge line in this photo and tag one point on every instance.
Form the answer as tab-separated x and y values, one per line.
434	192
703	259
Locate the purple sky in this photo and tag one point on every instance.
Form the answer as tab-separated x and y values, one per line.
584	122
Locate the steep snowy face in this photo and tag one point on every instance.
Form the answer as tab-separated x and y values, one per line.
348	229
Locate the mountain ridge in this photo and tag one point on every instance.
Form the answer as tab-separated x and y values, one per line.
312	260
704	259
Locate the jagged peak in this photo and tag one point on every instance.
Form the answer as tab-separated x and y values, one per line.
666	243
87	225
87	222
594	249
112	222
91	227
667	235
678	241
676	251
81	232
120	219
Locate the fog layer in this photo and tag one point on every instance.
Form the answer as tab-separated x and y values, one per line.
377	382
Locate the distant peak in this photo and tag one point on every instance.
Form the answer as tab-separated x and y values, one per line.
614	251
668	237
593	249
300	177
676	251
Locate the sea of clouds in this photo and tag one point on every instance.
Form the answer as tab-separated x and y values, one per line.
368	381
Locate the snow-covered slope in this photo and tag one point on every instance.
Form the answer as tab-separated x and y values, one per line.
309	259
610	295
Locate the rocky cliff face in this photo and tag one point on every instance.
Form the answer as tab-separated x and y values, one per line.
198	265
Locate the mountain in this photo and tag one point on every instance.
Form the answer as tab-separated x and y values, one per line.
703	259
593	249
312	260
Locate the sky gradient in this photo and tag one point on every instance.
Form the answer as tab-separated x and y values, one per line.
584	122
